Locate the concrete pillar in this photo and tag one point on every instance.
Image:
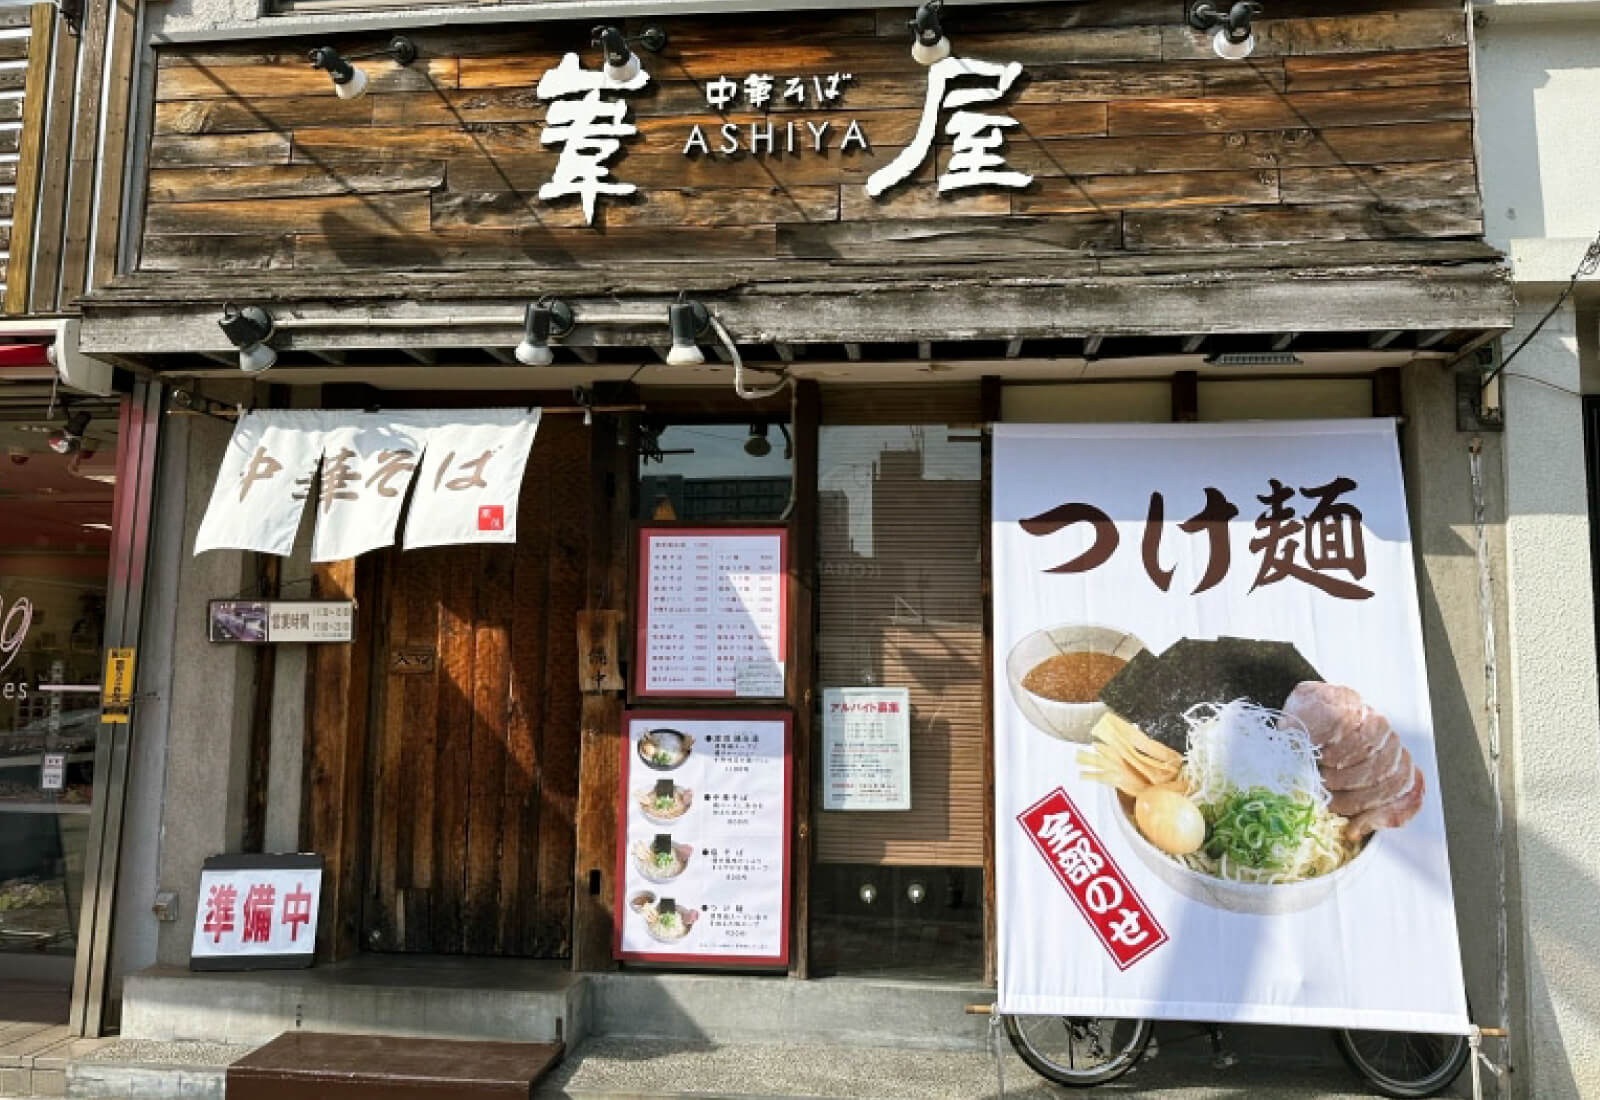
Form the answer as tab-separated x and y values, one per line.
1555	704
210	693
1440	497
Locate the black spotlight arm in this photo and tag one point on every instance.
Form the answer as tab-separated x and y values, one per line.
1205	16
615	43
401	50
926	22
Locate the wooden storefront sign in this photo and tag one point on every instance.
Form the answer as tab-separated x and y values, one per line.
1086	128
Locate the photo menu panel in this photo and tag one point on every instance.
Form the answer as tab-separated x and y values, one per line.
703	860
713	613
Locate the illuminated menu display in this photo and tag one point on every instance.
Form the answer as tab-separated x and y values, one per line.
703	839
713	612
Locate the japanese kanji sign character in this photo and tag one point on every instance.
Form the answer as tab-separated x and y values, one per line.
1333	540
219	911
262	467
296	910
258	903
588	128
337	477
721	92
758	90
975	157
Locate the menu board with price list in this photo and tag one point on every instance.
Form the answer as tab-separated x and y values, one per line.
703	839
713	613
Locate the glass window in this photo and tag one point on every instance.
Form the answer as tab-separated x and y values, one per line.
55	545
900	557
715	472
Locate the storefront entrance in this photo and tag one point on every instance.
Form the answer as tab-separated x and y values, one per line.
55	552
472	758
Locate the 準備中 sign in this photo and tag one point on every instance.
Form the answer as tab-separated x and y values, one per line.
256	912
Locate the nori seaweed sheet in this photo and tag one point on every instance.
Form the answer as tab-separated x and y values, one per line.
1153	692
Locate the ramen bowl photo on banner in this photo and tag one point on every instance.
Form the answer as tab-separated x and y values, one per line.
1216	789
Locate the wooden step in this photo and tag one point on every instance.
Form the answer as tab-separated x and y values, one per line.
311	1065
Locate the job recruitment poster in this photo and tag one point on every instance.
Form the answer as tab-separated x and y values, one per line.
703	846
1216	788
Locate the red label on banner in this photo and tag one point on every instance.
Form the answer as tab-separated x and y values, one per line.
491	517
1126	927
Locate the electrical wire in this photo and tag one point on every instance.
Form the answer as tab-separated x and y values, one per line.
738	367
1586	267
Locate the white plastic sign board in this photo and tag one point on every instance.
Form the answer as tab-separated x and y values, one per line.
703	839
866	749
713	612
1216	793
256	912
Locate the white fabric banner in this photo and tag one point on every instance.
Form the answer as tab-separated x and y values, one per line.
1216	789
471	478
367	466
467	466
261	488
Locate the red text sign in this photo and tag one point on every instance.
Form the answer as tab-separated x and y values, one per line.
491	517
1120	918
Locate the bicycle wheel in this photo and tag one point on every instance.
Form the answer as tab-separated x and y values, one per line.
1078	1051
1404	1064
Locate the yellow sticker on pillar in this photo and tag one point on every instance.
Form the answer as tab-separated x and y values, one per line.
116	689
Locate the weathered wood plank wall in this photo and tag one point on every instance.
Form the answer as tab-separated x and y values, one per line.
1350	122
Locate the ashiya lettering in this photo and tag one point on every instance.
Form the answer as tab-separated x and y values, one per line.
587	120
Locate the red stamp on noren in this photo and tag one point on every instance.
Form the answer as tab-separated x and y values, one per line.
1120	918
491	517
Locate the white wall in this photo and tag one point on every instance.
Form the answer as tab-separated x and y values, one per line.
1539	98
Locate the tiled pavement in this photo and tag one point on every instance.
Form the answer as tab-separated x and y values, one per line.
35	1045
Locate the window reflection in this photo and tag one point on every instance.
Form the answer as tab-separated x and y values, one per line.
55	544
715	471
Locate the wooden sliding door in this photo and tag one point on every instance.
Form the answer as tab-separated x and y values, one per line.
473	757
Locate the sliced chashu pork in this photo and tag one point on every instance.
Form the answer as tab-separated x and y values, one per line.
1370	797
1391	815
1390	757
1373	781
1343	728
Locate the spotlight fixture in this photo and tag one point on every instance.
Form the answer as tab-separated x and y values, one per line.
350	82
1234	39
622	64
929	43
757	446
868	893
916	893
689	321
541	320
69	437
249	328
